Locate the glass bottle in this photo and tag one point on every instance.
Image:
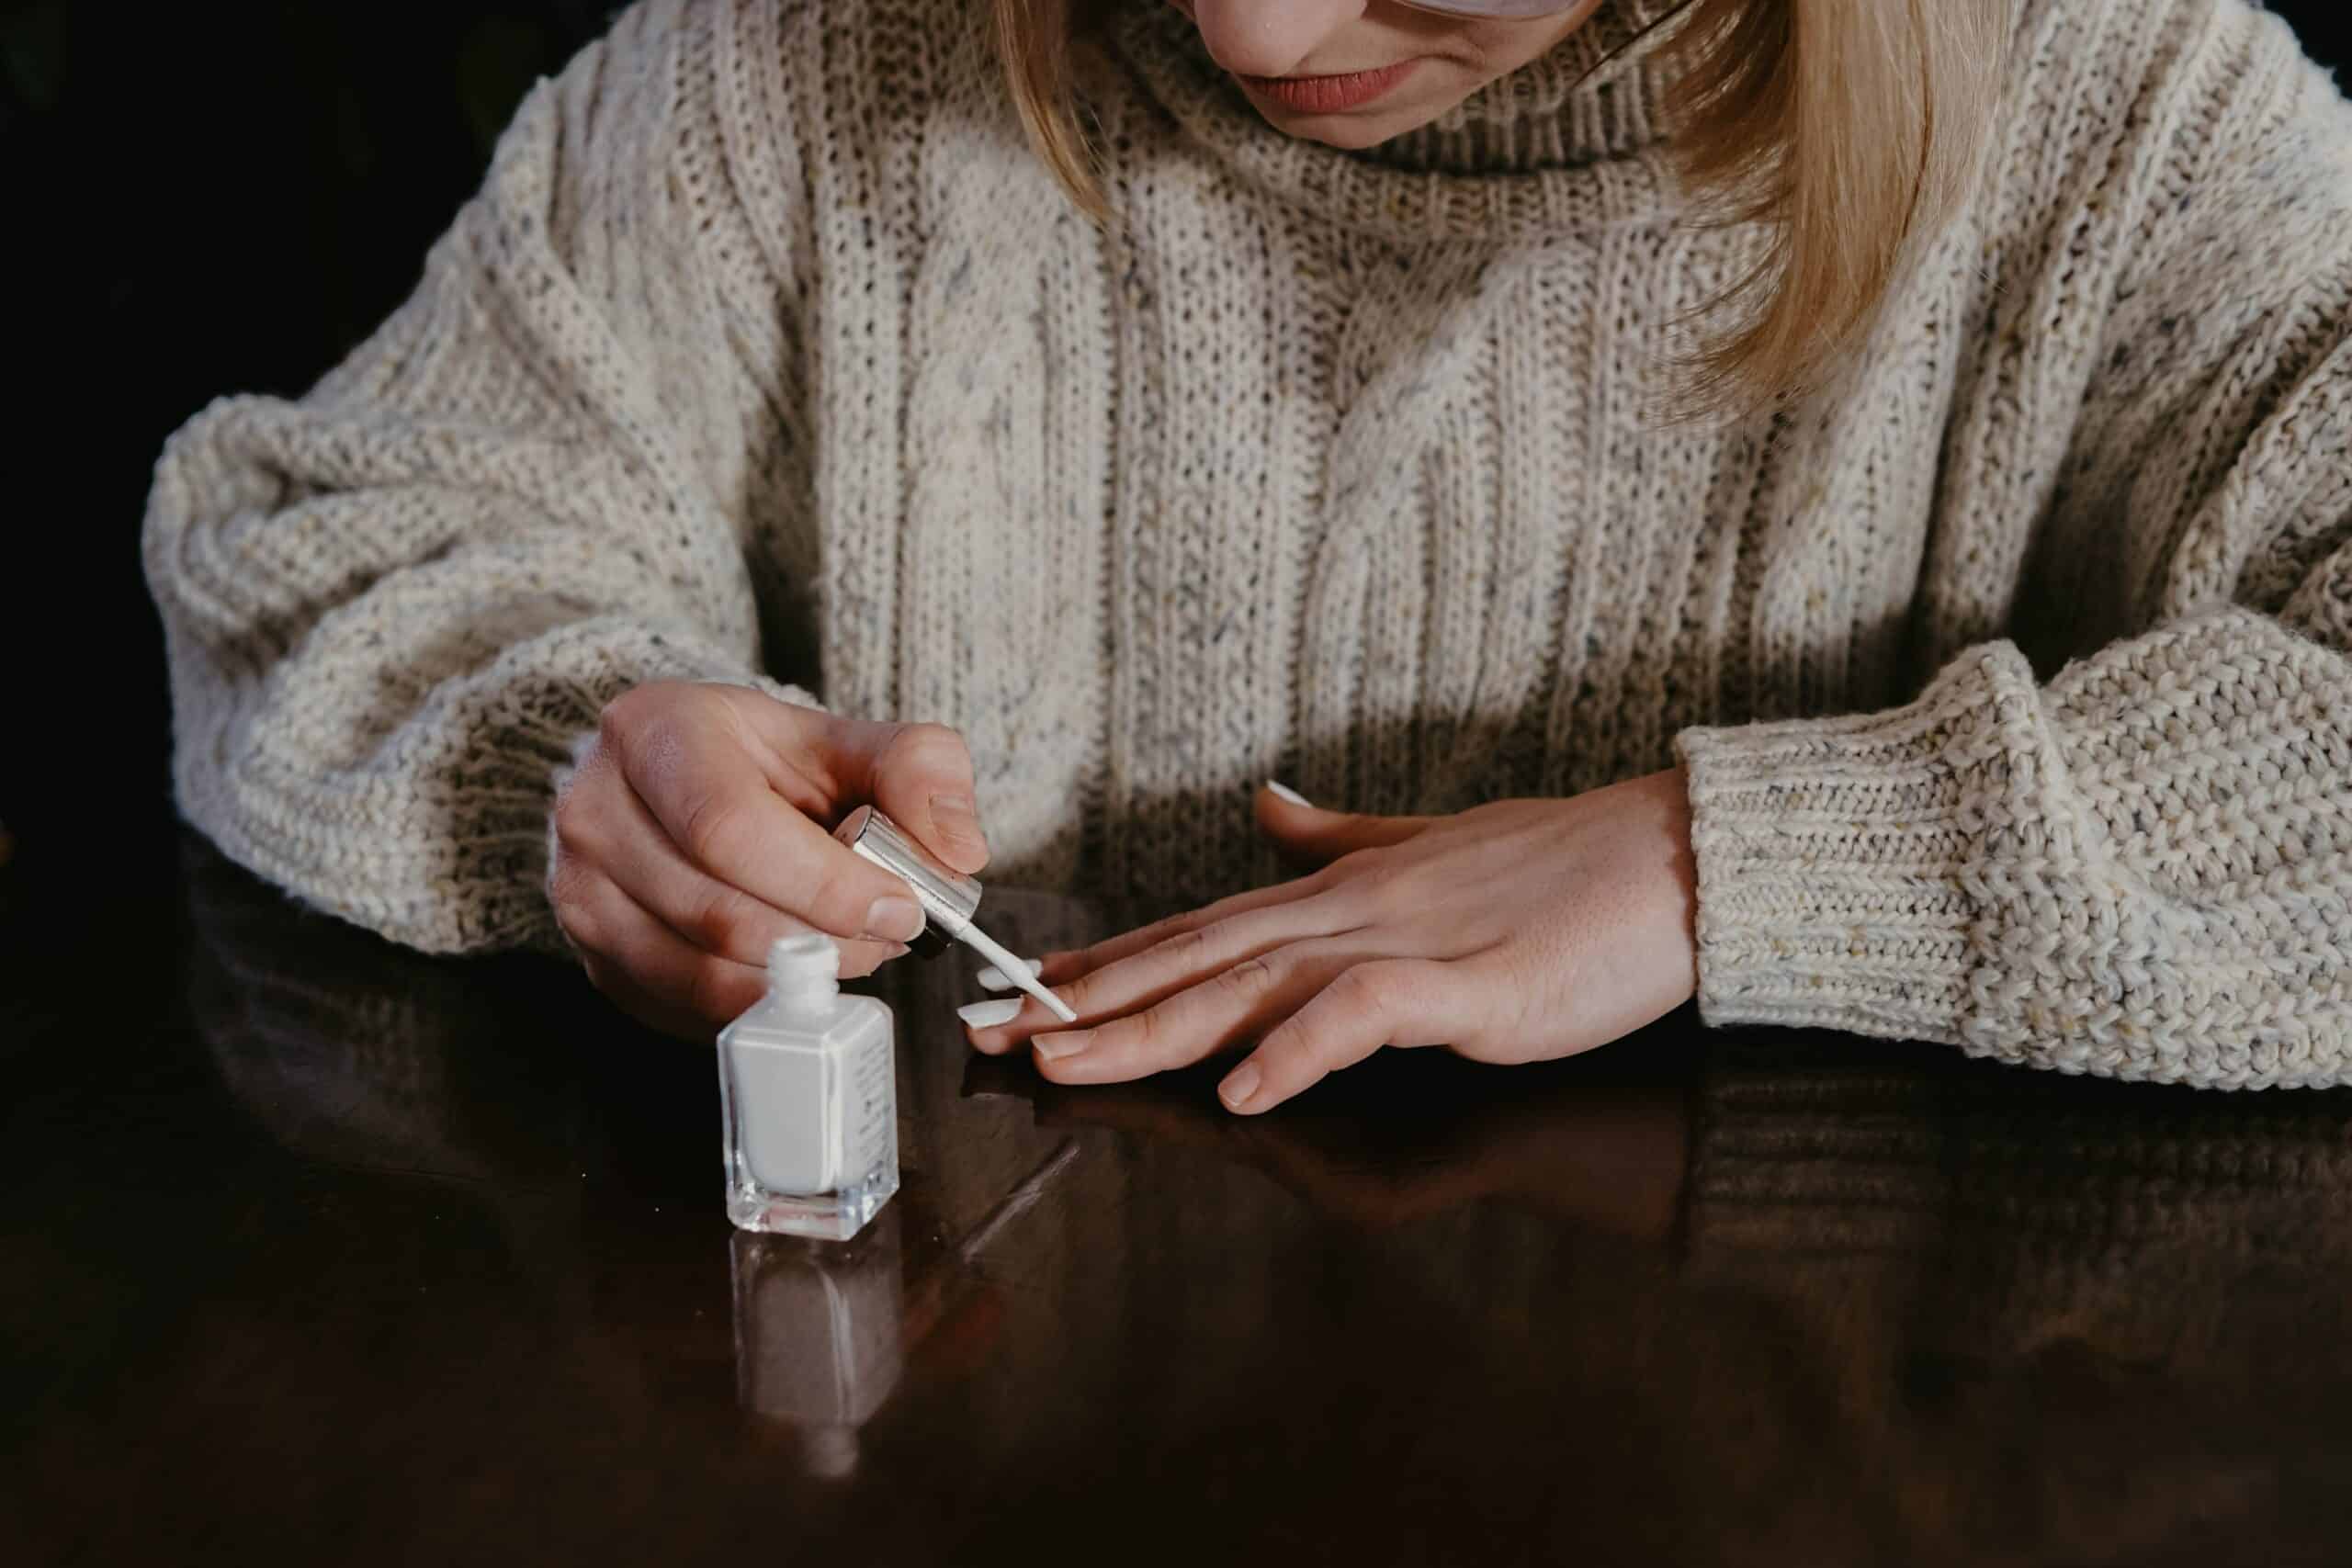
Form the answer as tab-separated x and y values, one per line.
808	1090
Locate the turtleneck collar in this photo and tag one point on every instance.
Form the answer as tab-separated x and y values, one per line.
1600	93
1570	139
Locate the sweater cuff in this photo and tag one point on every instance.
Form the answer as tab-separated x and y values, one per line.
1834	855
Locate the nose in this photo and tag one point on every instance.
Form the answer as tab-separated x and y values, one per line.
1262	37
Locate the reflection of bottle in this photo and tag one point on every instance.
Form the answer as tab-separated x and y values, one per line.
807	1084
818	1336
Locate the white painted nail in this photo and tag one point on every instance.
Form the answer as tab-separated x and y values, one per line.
993	979
988	1015
1286	792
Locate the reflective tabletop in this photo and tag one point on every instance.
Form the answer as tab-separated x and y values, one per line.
318	1250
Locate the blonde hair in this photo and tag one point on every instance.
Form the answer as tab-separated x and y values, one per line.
1851	131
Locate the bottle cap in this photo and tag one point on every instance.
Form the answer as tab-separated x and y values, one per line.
948	897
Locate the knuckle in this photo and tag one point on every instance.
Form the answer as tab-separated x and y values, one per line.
1287	1043
566	821
1191	950
1147	1033
623	721
1319	881
1251	978
601	975
1381	880
829	898
581	929
927	745
650	729
931	737
575	821
1368	989
575	915
708	825
720	920
1080	992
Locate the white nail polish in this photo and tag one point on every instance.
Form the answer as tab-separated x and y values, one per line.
1286	792
988	1015
994	979
809	1096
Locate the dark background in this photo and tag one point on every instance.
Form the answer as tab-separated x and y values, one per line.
204	200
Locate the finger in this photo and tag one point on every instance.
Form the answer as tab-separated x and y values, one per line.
995	980
1168	966
714	803
720	919
636	852
1390	1001
1235	1005
1311	834
921	775
1063	966
793	743
650	971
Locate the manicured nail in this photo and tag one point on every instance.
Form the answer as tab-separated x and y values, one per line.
994	979
893	919
1286	792
1069	1042
1238	1086
990	1015
956	816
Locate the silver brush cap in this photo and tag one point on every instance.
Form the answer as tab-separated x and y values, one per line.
948	897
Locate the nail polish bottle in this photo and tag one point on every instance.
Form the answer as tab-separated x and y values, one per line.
808	1091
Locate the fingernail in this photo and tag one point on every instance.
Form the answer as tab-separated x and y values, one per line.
893	919
1238	1086
1069	1042
990	1015
1286	792
956	816
994	978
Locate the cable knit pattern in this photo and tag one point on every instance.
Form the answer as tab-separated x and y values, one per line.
2015	684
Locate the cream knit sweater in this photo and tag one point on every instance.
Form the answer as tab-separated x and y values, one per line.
2015	685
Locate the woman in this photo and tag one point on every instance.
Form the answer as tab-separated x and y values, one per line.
1975	667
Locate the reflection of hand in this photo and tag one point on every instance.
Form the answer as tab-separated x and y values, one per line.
1512	932
1606	1156
692	834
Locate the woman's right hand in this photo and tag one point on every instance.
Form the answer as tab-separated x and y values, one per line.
696	830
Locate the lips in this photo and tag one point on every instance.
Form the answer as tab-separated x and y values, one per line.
1328	94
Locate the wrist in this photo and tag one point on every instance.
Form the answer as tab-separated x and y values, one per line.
1672	787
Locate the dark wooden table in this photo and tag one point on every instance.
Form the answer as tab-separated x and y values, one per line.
318	1251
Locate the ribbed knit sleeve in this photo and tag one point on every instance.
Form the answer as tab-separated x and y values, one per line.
2142	868
392	605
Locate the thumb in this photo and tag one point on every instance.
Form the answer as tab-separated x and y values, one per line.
1312	836
921	775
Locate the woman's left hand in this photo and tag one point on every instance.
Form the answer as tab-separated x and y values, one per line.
1512	932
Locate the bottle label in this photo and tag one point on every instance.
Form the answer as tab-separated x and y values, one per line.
869	1110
